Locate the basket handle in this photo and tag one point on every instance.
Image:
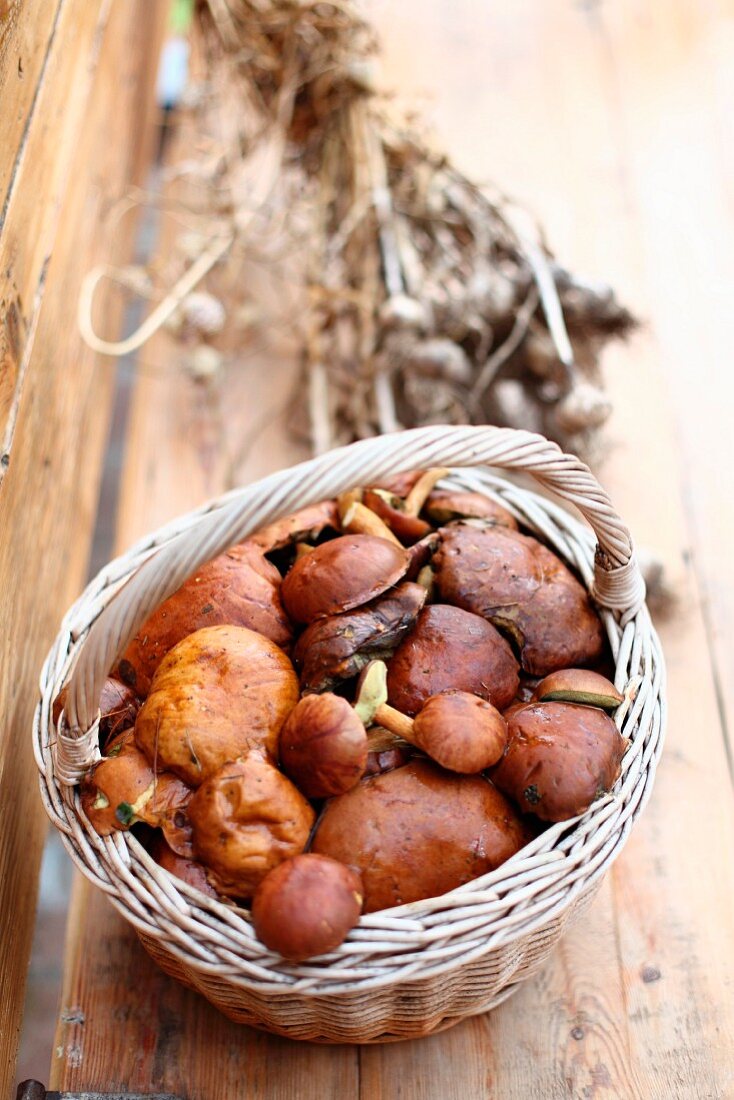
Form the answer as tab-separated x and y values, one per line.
618	583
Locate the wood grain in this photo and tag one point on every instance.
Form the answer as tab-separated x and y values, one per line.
566	106
48	499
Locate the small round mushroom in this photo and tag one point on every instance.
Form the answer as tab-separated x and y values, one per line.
560	758
579	685
418	831
306	906
521	587
323	746
451	648
461	732
247	818
335	649
240	587
446	505
186	869
219	693
341	575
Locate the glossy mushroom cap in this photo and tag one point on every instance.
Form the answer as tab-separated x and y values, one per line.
524	590
461	732
240	587
218	694
451	648
323	746
247	818
419	831
560	758
340	575
306	906
337	648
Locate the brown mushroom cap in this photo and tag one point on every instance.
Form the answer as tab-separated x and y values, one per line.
386	505
337	648
240	587
461	732
451	648
323	746
187	869
559	759
219	693
118	707
579	685
304	525
523	589
123	789
306	906
418	831
445	505
247	818
340	575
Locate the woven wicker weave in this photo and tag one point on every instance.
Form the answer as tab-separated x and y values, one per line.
420	967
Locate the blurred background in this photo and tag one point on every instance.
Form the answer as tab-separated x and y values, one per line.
237	233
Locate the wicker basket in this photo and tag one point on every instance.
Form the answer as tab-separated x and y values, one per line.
415	969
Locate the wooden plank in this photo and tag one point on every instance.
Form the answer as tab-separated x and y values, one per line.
48	499
637	1000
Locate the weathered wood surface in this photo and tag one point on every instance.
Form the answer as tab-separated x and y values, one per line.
573	108
65	71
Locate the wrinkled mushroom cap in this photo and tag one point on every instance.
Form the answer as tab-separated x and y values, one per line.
240	588
247	818
418	832
218	694
323	746
306	906
451	648
560	758
461	732
337	648
340	575
516	583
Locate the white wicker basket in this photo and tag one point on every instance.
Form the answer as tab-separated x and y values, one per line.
421	967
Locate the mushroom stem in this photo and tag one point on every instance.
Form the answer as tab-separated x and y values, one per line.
418	495
303	548
357	519
395	722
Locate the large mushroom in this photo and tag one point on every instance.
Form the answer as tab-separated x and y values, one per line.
560	757
240	587
335	649
521	587
247	818
417	832
219	693
340	575
451	648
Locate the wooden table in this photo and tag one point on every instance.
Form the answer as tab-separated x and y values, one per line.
611	121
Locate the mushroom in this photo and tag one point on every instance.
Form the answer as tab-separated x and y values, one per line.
401	512
306	906
341	575
323	746
186	869
123	789
220	692
521	587
460	731
335	649
446	505
385	751
247	818
118	707
240	587
303	526
560	758
418	831
451	648
579	685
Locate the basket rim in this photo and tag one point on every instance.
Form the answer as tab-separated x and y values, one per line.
452	929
